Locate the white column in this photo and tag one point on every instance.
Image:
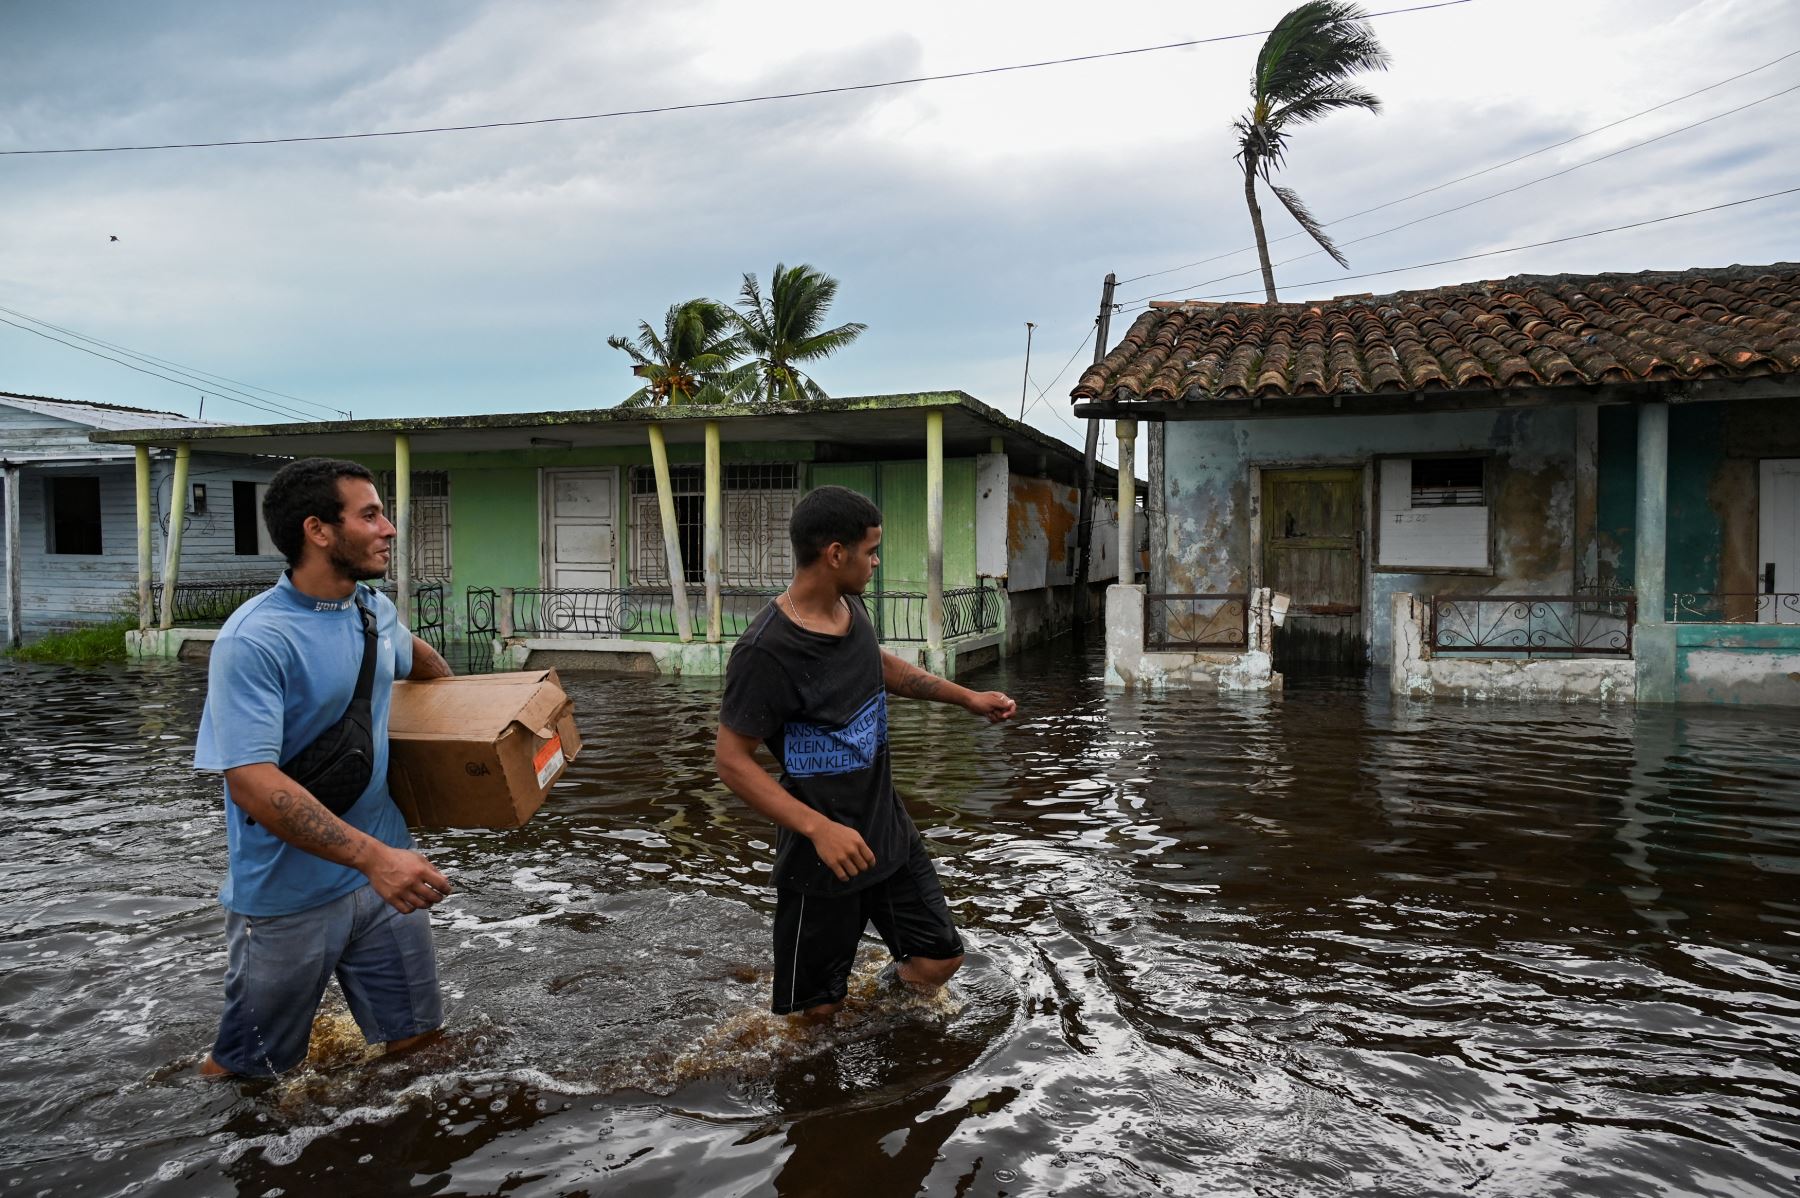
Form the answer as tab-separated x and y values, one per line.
403	526
146	515
713	545
15	606
934	529
1127	430
665	502
178	500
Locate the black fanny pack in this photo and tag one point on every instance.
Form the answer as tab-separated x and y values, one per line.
337	766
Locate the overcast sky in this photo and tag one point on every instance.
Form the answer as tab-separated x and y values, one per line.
482	271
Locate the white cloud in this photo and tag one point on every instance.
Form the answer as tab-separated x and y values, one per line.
482	270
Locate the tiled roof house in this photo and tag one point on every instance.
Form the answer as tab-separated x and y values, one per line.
1579	467
1531	332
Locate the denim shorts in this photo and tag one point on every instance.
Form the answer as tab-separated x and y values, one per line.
277	968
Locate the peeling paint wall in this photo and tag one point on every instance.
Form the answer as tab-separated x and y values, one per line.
1212	505
1738	664
1418	673
1713	453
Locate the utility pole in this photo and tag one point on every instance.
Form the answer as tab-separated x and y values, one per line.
1025	382
1084	525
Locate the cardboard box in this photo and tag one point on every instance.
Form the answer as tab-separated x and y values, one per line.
481	751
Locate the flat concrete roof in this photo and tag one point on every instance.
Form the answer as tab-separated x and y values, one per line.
847	429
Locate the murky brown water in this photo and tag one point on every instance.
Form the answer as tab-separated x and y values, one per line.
1325	944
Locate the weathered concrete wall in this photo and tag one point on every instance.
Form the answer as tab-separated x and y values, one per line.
1214	510
1129	664
1418	673
1041	519
1738	664
1713	453
1038	616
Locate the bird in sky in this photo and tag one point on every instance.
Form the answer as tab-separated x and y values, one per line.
114	236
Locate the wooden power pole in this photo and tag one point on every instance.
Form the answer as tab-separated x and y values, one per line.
1084	525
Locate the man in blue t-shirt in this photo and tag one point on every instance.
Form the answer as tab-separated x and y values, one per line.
310	894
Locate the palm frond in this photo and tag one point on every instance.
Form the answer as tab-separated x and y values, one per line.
1322	101
1301	214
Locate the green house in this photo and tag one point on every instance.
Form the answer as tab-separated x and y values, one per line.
645	539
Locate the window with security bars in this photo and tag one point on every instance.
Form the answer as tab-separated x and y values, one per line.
430	531
757	502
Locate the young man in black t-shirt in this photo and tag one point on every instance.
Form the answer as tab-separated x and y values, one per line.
809	680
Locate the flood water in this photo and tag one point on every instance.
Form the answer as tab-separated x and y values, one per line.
1326	943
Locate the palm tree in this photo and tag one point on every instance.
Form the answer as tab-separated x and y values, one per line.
781	330
691	361
1302	73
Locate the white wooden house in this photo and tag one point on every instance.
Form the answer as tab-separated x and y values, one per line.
69	521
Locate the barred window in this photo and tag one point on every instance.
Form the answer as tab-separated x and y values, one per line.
430	531
758	499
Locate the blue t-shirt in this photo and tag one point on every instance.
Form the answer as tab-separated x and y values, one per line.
282	671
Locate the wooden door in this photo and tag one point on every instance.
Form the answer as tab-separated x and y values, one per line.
1312	552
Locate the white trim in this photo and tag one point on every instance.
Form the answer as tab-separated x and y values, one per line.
794	973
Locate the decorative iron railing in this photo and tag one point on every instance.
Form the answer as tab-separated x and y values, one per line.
1591	625
208	603
1215	622
900	616
650	612
1724	607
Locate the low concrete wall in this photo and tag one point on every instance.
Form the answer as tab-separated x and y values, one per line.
1737	664
1420	673
1129	664
174	644
1042	614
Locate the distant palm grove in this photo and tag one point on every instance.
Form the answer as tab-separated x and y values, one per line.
710	353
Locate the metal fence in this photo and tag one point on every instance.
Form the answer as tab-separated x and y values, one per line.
1215	622
208	603
650	612
900	616
1725	607
1596	625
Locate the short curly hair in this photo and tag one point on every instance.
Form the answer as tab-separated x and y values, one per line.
826	516
308	487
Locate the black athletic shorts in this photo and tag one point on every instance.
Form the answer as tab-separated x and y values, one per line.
816	936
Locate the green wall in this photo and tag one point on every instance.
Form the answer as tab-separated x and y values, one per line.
493	531
1696	455
898	488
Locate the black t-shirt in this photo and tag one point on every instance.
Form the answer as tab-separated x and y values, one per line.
820	705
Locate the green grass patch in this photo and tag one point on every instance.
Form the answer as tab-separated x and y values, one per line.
89	646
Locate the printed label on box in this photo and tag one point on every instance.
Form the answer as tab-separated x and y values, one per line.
549	761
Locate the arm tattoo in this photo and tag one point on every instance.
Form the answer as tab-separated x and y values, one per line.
304	823
427	662
921	685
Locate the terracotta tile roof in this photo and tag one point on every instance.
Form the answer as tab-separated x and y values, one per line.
1532	331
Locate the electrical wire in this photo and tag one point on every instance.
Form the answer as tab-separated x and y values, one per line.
1479	200
1516	248
271	410
1486	170
841	89
205	378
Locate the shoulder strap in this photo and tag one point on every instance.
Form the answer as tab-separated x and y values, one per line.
365	677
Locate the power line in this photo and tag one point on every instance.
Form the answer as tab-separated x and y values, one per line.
205	378
1486	170
1517	248
841	89
155	373
1480	199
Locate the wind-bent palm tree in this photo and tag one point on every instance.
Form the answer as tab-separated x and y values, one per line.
691	361
781	330
1302	74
